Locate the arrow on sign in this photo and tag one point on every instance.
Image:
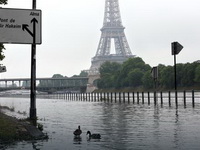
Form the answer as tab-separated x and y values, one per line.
25	27
34	21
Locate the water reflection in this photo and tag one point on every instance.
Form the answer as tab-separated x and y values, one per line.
77	139
35	146
177	128
156	125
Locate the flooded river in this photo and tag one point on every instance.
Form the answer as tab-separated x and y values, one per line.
122	126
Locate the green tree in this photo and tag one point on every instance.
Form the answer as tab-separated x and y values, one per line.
167	77
128	67
188	74
160	68
132	63
2	56
147	80
134	72
108	74
57	76
109	68
3	2
179	74
135	77
83	74
197	74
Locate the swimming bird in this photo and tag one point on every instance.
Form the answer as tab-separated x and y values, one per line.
93	136
78	131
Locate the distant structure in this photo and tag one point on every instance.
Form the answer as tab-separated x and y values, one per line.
112	29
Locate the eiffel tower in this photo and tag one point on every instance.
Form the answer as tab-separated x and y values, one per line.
112	29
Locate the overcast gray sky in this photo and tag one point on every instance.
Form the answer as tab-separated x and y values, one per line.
71	33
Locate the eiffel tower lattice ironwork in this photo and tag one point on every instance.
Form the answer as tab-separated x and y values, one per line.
112	29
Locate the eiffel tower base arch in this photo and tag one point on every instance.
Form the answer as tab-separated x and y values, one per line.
91	86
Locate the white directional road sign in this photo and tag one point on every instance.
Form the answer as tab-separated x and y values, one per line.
20	26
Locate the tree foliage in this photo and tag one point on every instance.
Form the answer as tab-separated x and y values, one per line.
3	2
136	73
128	74
166	77
197	74
83	74
108	74
2	56
147	80
1	45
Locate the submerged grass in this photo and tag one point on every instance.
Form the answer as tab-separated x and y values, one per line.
11	129
8	129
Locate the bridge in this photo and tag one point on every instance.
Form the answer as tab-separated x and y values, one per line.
46	84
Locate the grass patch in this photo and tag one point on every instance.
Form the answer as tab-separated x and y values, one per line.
12	130
8	129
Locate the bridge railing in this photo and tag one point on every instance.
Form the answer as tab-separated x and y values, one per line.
44	83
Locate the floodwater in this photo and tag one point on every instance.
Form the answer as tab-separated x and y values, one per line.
123	126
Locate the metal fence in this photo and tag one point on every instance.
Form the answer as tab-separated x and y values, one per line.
170	98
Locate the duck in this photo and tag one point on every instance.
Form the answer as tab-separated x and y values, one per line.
93	136
78	131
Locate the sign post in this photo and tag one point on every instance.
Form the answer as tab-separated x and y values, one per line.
154	73
33	111
23	26
176	48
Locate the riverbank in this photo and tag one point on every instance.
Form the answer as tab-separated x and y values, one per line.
13	130
140	89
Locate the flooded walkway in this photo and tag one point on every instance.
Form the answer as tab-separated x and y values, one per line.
123	126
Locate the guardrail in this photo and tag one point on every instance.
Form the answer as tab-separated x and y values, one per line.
170	98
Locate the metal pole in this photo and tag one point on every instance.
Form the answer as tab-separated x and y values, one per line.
33	113
34	4
193	103
175	81
155	98
184	98
161	98
148	98
175	72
